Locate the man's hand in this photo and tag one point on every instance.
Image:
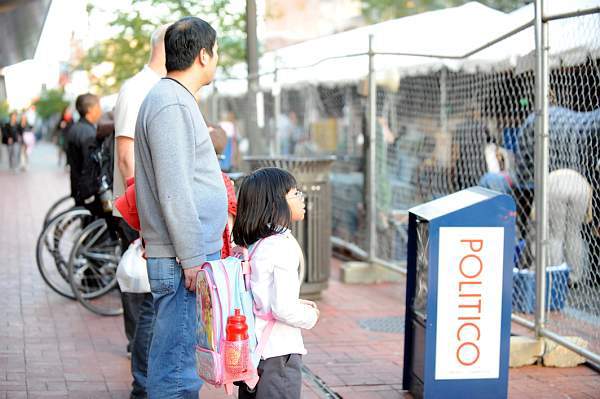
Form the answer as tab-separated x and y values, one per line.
190	277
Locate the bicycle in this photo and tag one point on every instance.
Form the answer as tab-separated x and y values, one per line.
92	268
54	246
62	204
77	254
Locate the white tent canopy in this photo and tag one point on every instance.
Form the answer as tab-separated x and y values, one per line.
571	40
450	32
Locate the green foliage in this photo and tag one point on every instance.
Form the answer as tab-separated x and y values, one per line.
3	110
228	20
51	102
129	49
380	10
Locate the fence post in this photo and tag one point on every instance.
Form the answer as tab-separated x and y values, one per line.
541	164
276	110
444	107
252	133
372	155
214	105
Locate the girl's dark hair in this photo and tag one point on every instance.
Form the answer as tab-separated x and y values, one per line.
262	208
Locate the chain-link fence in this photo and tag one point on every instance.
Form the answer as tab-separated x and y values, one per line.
439	130
573	182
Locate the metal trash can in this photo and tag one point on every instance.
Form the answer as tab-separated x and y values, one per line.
314	232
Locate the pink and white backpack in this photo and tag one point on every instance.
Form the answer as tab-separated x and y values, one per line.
221	287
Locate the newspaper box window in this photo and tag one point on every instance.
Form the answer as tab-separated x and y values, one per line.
458	298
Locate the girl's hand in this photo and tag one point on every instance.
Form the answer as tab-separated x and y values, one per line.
309	303
312	305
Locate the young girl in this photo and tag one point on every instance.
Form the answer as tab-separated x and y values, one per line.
268	202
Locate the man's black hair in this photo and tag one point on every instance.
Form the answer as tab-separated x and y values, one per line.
262	208
85	102
183	41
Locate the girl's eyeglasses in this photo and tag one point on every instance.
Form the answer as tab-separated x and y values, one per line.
298	194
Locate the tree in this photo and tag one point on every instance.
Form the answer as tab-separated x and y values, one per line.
50	103
227	17
126	53
129	49
3	110
380	10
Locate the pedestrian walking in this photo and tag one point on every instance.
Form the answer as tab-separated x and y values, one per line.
3	141
138	311
28	141
13	140
182	203
268	202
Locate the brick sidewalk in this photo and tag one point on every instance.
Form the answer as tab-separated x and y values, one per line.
51	347
358	363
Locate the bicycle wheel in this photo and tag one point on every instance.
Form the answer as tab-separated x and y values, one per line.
62	204
54	247
92	269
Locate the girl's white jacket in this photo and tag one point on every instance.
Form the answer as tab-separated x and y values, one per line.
275	287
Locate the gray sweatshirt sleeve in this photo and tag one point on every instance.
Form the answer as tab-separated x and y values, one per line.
172	143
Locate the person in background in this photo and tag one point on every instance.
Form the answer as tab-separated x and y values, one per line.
469	140
570	208
13	140
137	308
28	139
228	160
4	137
218	136
78	140
59	134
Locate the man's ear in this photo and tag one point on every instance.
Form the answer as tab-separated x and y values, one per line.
203	57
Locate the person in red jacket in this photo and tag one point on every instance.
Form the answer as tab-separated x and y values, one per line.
219	140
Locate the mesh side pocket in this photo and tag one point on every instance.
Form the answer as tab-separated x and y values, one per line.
209	366
236	359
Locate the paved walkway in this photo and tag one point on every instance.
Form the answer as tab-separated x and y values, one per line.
51	347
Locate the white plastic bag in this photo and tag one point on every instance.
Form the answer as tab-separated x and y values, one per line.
132	273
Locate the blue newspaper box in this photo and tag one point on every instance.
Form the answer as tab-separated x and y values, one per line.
458	296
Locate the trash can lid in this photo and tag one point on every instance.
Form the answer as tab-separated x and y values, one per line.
291	159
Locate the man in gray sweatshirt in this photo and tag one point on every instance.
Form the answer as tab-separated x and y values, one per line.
181	200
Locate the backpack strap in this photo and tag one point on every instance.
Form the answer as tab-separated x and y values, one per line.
229	296
246	257
260	346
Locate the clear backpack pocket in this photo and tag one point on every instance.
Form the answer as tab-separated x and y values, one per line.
209	365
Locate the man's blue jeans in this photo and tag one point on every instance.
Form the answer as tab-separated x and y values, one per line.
172	360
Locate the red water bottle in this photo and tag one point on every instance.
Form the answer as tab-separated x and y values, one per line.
236	329
236	344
